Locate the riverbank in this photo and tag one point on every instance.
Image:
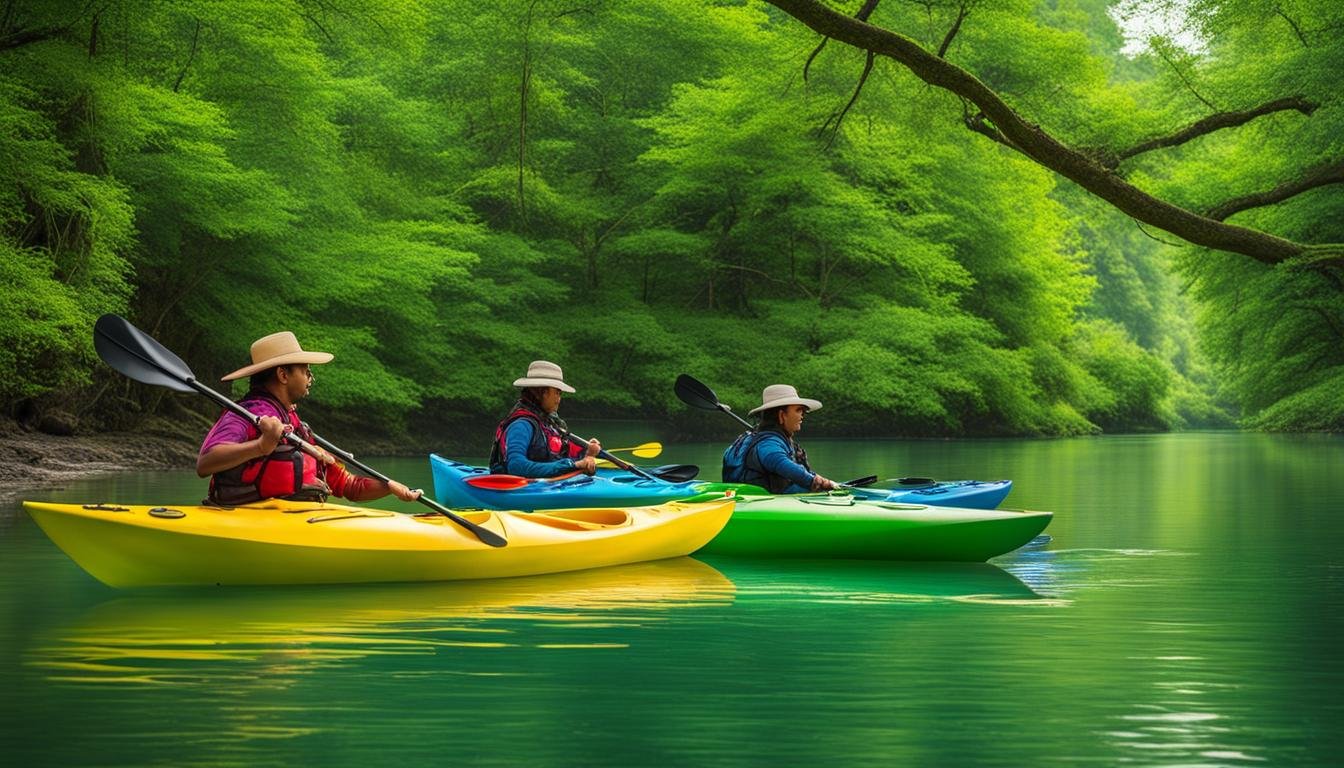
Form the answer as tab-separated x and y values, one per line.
31	459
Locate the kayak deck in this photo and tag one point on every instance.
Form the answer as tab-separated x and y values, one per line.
462	485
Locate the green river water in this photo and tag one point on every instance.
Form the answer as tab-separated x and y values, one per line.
1183	609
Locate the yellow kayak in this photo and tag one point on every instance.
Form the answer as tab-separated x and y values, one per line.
288	542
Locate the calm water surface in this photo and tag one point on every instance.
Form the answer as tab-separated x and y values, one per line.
1184	610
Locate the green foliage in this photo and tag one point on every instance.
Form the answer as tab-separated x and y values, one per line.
63	257
1137	382
440	192
1274	336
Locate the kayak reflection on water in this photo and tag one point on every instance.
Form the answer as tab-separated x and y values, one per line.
196	637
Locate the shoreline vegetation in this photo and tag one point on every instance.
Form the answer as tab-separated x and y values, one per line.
33	460
440	192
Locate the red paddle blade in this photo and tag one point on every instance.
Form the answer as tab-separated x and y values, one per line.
497	482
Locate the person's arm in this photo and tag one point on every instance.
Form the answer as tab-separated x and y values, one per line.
354	488
774	457
227	445
516	439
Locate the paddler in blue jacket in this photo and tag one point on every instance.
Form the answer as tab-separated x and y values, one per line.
532	441
768	456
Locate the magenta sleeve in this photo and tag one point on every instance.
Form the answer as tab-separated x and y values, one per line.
232	428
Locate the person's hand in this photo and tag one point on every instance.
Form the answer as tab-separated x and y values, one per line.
402	492
587	465
272	431
820	483
594	448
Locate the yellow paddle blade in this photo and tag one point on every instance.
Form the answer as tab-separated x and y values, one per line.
605	464
645	451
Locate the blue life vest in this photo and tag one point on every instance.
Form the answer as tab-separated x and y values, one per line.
742	462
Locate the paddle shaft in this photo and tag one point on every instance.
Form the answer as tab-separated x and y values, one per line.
349	458
627	466
696	394
313	451
744	422
253	418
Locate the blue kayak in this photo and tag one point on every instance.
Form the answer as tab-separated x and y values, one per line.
967	494
463	486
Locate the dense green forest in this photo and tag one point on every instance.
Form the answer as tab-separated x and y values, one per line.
439	192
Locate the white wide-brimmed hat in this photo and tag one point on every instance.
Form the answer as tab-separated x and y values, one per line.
777	395
542	373
277	349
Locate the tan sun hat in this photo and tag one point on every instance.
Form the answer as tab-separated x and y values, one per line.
277	349
776	395
544	374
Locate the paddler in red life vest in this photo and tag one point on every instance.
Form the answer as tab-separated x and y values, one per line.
246	464
532	441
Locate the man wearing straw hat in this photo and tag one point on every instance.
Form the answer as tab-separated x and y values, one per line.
247	464
533	441
768	455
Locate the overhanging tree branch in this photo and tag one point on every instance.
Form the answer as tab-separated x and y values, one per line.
14	36
1319	176
951	33
1297	30
1032	141
867	10
191	55
976	122
840	116
24	37
1213	123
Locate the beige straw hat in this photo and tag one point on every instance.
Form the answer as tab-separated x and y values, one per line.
277	349
544	374
776	395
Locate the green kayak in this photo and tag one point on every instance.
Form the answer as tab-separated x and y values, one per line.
841	526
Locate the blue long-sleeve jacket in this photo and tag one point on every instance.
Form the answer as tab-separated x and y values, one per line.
773	456
517	438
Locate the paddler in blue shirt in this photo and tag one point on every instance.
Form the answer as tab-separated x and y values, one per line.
768	456
532	441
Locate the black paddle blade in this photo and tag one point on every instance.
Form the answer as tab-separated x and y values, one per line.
695	394
675	473
862	482
916	481
132	352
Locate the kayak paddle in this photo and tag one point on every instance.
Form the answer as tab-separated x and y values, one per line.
695	394
137	355
676	473
563	428
644	451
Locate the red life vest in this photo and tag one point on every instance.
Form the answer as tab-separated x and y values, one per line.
548	444
286	472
